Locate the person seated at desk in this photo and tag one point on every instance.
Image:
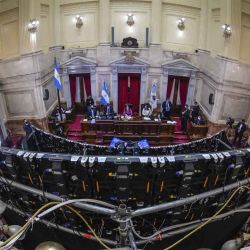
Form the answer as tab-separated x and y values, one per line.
92	112
60	116
198	120
147	110
167	109
127	111
195	112
108	111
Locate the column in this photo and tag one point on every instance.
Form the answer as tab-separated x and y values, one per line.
24	16
156	17
3	116
56	22
233	18
28	9
93	81
66	88
78	97
191	89
115	92
104	22
164	86
143	91
203	25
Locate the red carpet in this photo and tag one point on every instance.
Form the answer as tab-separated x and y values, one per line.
179	135
74	129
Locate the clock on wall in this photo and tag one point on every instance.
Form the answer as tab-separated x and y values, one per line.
129	42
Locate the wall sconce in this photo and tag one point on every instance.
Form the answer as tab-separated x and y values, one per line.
33	25
130	21
227	30
181	23
79	22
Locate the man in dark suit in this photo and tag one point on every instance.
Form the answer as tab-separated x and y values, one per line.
89	101
195	111
108	111
92	112
239	130
184	118
167	109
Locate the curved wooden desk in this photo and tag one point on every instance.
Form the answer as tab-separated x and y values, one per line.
104	130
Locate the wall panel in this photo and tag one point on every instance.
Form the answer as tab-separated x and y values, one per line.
9	33
87	35
14	99
245	38
140	10
44	32
215	35
172	37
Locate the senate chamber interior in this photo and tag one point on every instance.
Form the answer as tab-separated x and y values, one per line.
124	124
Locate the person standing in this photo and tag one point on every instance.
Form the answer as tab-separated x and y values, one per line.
195	111
184	118
167	109
239	131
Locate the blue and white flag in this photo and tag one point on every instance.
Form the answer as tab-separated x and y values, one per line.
153	96
57	80
104	98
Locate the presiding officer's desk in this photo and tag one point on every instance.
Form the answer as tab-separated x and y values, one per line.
136	129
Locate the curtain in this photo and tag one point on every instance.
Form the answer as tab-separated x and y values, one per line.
178	101
123	91
170	86
87	85
183	90
72	80
134	94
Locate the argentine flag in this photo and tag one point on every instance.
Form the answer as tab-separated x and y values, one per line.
153	96
104	98
57	80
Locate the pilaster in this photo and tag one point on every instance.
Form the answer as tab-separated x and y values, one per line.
156	22
104	22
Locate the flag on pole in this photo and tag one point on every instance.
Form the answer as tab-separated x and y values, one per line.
104	98
153	99
57	80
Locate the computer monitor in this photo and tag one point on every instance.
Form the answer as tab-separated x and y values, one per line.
142	144
115	142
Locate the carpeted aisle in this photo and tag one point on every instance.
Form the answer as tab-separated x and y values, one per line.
74	129
179	135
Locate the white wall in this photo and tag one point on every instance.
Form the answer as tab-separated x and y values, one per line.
9	33
172	37
245	32
142	13
87	36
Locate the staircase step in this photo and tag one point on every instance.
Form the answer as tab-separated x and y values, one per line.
74	135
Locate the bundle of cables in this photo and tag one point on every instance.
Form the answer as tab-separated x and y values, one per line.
52	206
